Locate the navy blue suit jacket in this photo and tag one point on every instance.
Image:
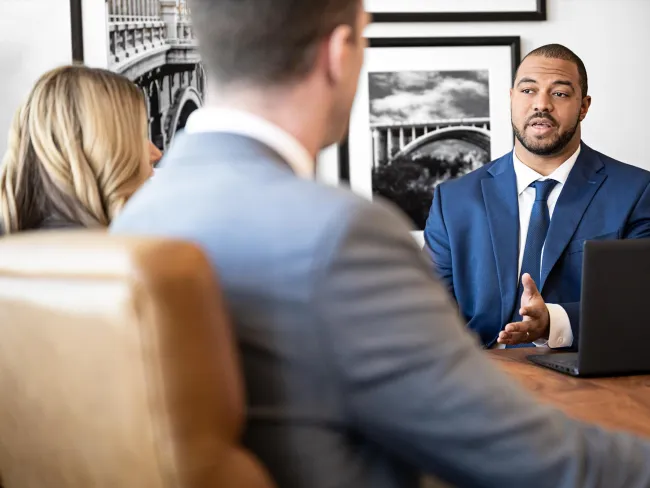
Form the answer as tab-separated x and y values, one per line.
472	234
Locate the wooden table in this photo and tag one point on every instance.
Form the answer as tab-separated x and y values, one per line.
621	403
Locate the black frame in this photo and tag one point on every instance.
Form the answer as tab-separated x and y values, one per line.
76	31
514	42
537	15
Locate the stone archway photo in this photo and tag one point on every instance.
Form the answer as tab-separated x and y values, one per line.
427	110
152	43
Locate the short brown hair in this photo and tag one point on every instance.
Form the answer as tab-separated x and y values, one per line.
263	42
558	51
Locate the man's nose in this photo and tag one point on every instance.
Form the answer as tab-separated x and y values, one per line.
543	103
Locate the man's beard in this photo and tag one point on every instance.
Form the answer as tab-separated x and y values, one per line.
552	147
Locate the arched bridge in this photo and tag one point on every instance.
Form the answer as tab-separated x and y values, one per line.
152	43
392	141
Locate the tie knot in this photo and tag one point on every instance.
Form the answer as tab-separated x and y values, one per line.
543	189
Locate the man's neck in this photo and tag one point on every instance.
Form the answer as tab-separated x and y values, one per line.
545	165
290	109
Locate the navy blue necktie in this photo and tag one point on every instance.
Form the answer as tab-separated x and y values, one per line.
537	230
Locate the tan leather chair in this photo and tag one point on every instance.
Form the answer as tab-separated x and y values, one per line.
117	367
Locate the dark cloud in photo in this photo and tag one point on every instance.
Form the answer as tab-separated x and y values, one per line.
409	161
410	96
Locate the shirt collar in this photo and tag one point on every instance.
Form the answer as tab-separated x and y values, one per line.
210	119
526	175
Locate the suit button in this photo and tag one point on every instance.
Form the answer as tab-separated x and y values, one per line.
560	341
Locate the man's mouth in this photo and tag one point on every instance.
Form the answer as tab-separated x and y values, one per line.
541	124
541	127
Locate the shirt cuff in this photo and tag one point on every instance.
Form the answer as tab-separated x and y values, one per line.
560	333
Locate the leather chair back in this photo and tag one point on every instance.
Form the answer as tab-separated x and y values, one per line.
117	366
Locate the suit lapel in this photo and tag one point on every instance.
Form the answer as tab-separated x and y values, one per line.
502	207
583	182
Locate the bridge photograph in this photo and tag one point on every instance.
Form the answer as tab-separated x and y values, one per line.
152	43
426	127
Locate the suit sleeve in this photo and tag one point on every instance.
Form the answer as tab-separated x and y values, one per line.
414	382
436	242
638	223
637	227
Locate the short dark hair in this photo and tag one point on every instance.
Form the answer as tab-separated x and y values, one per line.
264	42
558	51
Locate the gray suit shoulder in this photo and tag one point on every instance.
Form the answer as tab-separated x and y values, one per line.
345	209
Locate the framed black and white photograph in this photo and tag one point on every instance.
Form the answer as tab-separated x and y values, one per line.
152	43
456	10
427	110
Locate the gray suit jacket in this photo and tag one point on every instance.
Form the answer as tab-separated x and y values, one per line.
359	373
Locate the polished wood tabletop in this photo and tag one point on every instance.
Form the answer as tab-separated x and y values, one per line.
621	403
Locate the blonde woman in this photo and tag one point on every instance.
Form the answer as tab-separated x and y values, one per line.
77	150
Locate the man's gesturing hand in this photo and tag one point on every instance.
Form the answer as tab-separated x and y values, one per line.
535	322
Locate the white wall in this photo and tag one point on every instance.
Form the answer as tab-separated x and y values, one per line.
612	37
34	37
95	33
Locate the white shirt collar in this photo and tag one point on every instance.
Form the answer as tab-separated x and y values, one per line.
209	119
526	175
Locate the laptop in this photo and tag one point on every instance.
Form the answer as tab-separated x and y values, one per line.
614	312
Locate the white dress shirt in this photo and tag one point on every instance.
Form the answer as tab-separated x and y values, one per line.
560	333
209	119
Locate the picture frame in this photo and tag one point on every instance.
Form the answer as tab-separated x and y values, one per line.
427	109
455	11
76	32
152	43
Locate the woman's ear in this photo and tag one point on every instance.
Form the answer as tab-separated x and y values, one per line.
154	154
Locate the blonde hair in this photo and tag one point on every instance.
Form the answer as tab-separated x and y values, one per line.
76	150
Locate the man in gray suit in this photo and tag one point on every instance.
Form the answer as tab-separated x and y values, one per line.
359	373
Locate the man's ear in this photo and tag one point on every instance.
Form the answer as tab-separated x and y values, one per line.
584	108
338	52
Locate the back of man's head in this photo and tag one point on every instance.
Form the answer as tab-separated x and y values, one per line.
265	42
558	51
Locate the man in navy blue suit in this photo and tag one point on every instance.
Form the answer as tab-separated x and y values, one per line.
507	239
